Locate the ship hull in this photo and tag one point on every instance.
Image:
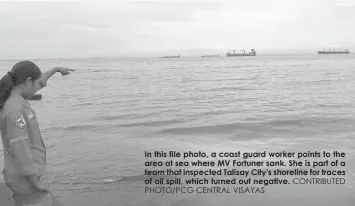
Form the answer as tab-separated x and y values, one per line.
169	57
240	55
321	52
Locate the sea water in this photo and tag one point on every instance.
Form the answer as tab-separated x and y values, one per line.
98	122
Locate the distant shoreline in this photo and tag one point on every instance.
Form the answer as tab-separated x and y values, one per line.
156	57
182	56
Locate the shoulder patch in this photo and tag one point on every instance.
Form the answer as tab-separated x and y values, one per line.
20	122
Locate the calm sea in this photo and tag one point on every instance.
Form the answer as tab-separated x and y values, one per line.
97	122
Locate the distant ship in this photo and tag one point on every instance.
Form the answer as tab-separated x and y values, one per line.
339	51
251	53
169	57
210	55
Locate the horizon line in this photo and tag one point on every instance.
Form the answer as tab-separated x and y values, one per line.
113	56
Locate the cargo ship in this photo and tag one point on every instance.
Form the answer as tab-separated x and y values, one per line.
210	55
339	51
251	53
169	57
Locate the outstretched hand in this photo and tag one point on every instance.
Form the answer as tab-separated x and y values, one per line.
64	71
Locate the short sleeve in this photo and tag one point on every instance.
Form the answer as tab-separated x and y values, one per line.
16	126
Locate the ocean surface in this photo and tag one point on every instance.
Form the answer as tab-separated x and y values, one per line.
98	121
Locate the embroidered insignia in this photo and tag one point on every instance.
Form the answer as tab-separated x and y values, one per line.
20	122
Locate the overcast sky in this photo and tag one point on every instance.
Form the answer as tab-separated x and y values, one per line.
108	28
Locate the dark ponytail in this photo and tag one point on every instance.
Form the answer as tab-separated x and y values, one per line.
6	84
18	75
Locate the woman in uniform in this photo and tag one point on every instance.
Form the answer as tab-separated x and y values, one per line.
24	150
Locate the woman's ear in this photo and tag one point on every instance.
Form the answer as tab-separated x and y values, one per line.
29	80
